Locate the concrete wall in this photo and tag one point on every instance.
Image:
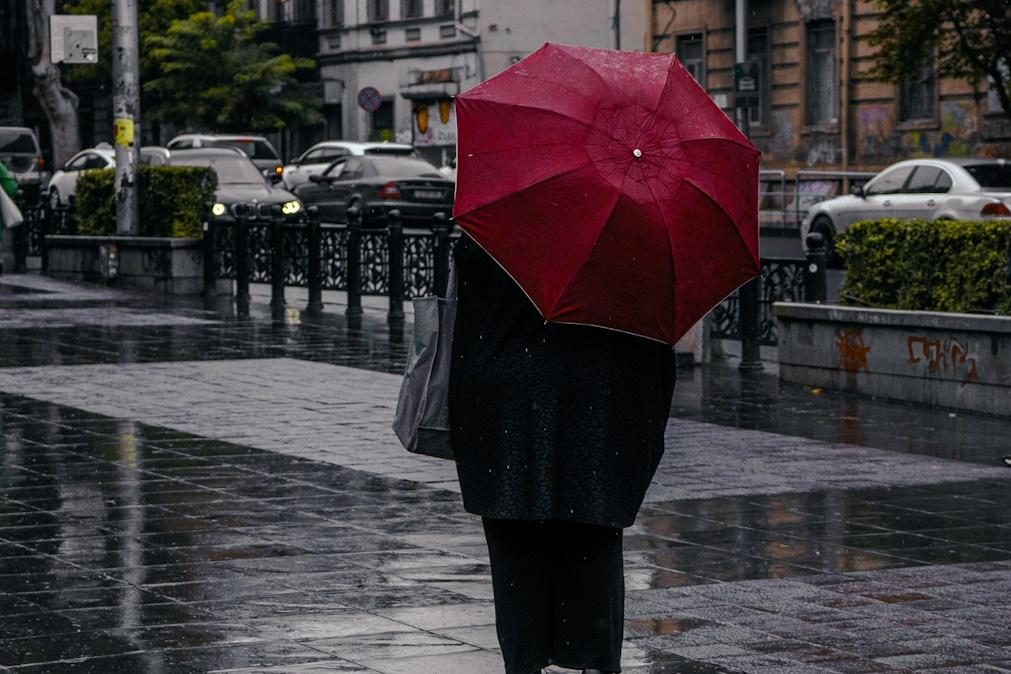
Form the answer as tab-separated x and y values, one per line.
161	265
949	360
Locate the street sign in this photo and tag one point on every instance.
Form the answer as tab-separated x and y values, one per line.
73	38
747	80
369	99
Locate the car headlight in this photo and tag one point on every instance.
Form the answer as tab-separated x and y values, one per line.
218	209
291	207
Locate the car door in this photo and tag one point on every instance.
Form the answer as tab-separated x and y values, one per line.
346	184
880	194
917	199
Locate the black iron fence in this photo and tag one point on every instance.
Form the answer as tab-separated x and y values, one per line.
401	264
30	237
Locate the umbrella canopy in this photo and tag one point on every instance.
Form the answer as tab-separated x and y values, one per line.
610	187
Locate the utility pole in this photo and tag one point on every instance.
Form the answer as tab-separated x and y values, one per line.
617	24
126	113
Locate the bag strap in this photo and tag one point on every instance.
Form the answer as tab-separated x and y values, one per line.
451	284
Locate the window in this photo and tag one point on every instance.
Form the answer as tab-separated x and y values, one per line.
77	164
889	182
923	180
990	175
412	34
690	52
943	183
410	9
758	50
352	169
379	10
378	36
821	73
335	13
445	7
916	96
448	30
382	122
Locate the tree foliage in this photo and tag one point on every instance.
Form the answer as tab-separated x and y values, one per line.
965	40
209	71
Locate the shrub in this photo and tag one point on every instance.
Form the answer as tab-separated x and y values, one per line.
945	265
171	198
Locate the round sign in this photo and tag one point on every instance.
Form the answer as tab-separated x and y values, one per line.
369	99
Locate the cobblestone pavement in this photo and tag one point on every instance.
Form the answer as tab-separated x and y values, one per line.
186	491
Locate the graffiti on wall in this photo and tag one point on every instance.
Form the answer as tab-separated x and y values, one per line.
942	356
852	350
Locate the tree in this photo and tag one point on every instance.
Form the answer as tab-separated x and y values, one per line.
969	40
210	72
58	102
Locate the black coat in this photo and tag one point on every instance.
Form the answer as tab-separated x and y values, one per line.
557	422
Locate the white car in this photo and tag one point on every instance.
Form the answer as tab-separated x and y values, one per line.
927	189
63	184
317	158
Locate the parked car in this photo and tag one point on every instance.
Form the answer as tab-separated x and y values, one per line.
20	154
377	184
319	156
242	188
63	184
257	148
931	189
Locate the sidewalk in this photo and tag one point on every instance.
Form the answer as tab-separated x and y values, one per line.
182	490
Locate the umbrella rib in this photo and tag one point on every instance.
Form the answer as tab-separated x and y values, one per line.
670	247
676	176
548	111
717	140
708	198
586	66
596	241
537	182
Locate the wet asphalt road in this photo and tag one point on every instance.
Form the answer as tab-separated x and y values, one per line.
182	490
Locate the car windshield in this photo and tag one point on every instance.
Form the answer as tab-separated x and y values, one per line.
12	142
254	149
230	170
991	175
398	167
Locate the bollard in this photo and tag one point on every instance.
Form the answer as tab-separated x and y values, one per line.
396	265
20	244
276	258
314	275
815	282
750	316
210	256
242	263
440	226
354	258
43	224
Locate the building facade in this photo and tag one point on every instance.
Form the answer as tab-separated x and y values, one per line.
419	54
817	107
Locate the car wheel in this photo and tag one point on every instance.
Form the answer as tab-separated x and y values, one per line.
823	225
54	199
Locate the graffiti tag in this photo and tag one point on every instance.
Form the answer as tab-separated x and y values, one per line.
943	355
852	350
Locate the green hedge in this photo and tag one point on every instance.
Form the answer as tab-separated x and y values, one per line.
945	265
172	200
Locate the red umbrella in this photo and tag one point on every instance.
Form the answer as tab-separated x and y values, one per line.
610	187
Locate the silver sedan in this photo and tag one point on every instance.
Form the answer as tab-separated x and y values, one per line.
928	189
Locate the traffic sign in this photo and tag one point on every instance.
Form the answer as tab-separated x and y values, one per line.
747	77
369	99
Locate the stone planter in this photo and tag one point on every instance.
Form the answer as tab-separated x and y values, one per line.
161	265
961	361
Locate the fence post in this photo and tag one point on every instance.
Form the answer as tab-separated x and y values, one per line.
210	256
749	298
276	260
314	265
396	261
354	258
441	228
242	263
42	222
815	282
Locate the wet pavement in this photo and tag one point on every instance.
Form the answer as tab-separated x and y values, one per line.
183	490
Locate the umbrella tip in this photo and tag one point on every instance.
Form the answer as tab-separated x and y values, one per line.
636	153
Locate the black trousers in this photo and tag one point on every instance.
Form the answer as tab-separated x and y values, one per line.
559	594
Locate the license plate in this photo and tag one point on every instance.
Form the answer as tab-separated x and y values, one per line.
432	195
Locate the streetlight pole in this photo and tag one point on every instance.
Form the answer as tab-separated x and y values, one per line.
126	113
617	24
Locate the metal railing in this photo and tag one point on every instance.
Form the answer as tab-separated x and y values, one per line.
30	237
783	205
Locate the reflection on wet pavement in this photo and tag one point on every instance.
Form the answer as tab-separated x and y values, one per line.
128	546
